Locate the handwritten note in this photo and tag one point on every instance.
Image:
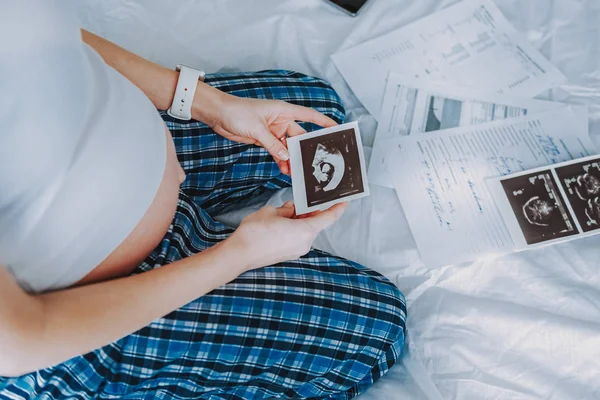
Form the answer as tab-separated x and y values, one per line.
413	106
440	178
469	44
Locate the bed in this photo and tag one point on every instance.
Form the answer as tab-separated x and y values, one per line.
521	326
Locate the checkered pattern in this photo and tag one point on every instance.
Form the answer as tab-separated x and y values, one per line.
318	327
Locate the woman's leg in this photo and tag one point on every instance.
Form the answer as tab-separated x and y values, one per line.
222	172
317	327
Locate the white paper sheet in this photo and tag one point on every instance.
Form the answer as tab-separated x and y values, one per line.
469	44
414	105
440	178
551	204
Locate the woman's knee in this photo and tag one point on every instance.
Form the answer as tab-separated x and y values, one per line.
380	309
375	307
390	328
378	330
395	305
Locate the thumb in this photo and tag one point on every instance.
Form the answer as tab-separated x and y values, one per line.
287	210
273	145
327	218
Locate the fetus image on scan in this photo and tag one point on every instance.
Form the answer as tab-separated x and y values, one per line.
328	167
331	165
592	211
588	186
581	183
538	211
539	207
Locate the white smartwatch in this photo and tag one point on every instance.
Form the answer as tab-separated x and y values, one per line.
181	108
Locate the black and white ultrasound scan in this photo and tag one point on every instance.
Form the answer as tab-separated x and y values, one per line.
328	167
581	183
539	207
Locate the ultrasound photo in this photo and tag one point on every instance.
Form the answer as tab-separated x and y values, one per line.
539	207
332	167
581	183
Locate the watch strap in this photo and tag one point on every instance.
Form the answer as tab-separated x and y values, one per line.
181	108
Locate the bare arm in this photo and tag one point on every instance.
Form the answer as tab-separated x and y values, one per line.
37	331
157	82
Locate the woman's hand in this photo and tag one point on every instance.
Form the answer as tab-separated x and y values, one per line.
261	122
272	235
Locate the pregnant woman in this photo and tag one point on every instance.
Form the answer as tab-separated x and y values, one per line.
115	279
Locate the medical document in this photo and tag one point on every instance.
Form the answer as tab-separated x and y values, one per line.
468	44
440	178
414	106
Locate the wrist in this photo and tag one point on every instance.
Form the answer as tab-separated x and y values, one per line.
236	254
208	101
245	253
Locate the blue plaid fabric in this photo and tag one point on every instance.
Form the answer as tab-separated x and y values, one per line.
317	327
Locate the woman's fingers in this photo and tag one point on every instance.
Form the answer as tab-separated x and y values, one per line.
304	216
287	210
277	148
294	129
306	114
284	167
236	138
325	219
273	145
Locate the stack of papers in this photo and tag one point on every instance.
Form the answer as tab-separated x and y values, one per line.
415	106
469	44
453	95
441	178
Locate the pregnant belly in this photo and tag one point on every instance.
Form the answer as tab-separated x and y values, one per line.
150	230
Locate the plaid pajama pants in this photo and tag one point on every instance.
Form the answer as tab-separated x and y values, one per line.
317	327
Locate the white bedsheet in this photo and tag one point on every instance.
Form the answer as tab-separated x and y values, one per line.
523	326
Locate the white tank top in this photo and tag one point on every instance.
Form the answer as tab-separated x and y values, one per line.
82	150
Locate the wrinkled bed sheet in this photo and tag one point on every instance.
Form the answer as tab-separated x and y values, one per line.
521	326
